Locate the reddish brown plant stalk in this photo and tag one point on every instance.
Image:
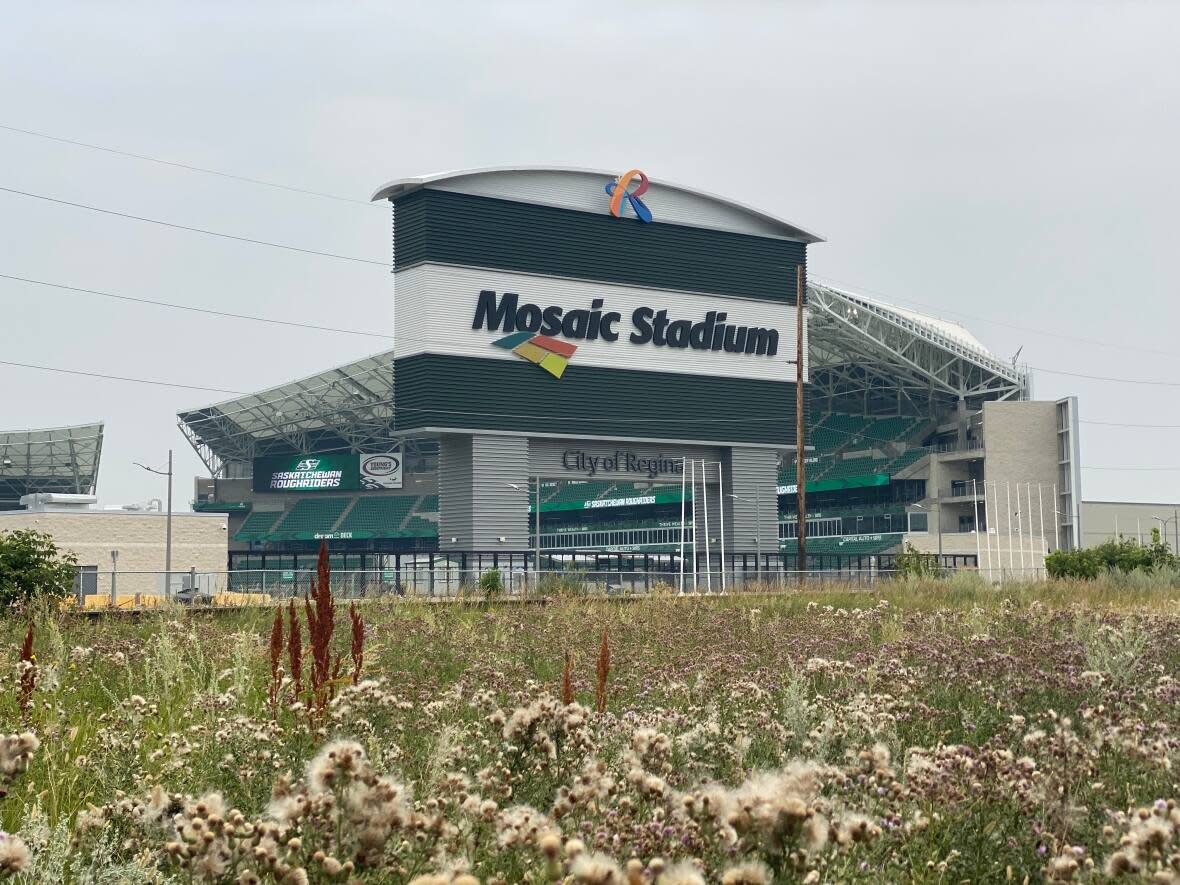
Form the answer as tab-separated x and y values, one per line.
567	680
295	650
358	642
320	608
276	654
28	673
603	672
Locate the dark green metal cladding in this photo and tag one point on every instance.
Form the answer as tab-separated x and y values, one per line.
450	228
481	394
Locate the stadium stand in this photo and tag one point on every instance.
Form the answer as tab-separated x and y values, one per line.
856	467
257	525
888	430
907	458
833	431
383	516
312	515
580	491
418	527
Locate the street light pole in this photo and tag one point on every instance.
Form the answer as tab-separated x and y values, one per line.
168	523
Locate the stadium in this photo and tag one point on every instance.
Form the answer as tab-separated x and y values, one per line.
51	461
520	420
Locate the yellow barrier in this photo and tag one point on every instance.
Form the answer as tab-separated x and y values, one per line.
135	601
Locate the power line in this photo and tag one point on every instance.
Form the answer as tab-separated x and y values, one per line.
1151	469
119	378
1138	426
203	310
1107	378
198	230
187	166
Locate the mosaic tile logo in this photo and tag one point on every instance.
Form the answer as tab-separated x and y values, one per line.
620	196
548	353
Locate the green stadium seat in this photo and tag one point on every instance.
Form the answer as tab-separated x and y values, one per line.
833	431
257	525
381	515
417	527
312	515
581	491
906	459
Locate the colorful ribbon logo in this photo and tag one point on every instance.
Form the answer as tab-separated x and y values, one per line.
617	190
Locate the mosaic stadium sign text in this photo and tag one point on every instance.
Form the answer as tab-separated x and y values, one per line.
505	313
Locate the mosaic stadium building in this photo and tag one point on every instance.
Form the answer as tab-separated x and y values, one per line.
567	341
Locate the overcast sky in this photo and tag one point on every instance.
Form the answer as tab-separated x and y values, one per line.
1000	165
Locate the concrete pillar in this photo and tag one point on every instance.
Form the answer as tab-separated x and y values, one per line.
751	520
477	502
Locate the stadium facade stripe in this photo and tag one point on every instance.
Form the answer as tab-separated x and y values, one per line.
433	390
475	231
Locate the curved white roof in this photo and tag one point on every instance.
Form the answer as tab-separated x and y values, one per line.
580	188
948	328
51	459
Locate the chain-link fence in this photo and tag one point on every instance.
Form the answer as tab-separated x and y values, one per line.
461	578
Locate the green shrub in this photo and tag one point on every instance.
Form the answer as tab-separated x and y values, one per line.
31	567
1121	555
490	583
913	563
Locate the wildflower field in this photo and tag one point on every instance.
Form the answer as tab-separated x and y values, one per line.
936	732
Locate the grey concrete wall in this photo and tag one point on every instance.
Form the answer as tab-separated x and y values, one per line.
1021	447
752	519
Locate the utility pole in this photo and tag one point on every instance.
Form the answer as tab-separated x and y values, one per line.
537	532
800	427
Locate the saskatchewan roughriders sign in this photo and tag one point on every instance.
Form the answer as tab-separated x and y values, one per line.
334	471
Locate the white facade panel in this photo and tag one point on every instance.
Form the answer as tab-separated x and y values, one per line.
586	192
437	307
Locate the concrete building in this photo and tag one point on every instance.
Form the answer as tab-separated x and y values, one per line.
137	540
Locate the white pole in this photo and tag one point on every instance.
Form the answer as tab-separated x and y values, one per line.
721	504
1056	518
1020	528
693	467
1028	497
683	482
1116	526
1041	518
988	513
996	520
975	507
705	505
1008	496
1138	532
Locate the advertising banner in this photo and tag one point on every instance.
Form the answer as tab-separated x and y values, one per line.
306	473
381	471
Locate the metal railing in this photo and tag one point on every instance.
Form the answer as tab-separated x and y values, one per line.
441	576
